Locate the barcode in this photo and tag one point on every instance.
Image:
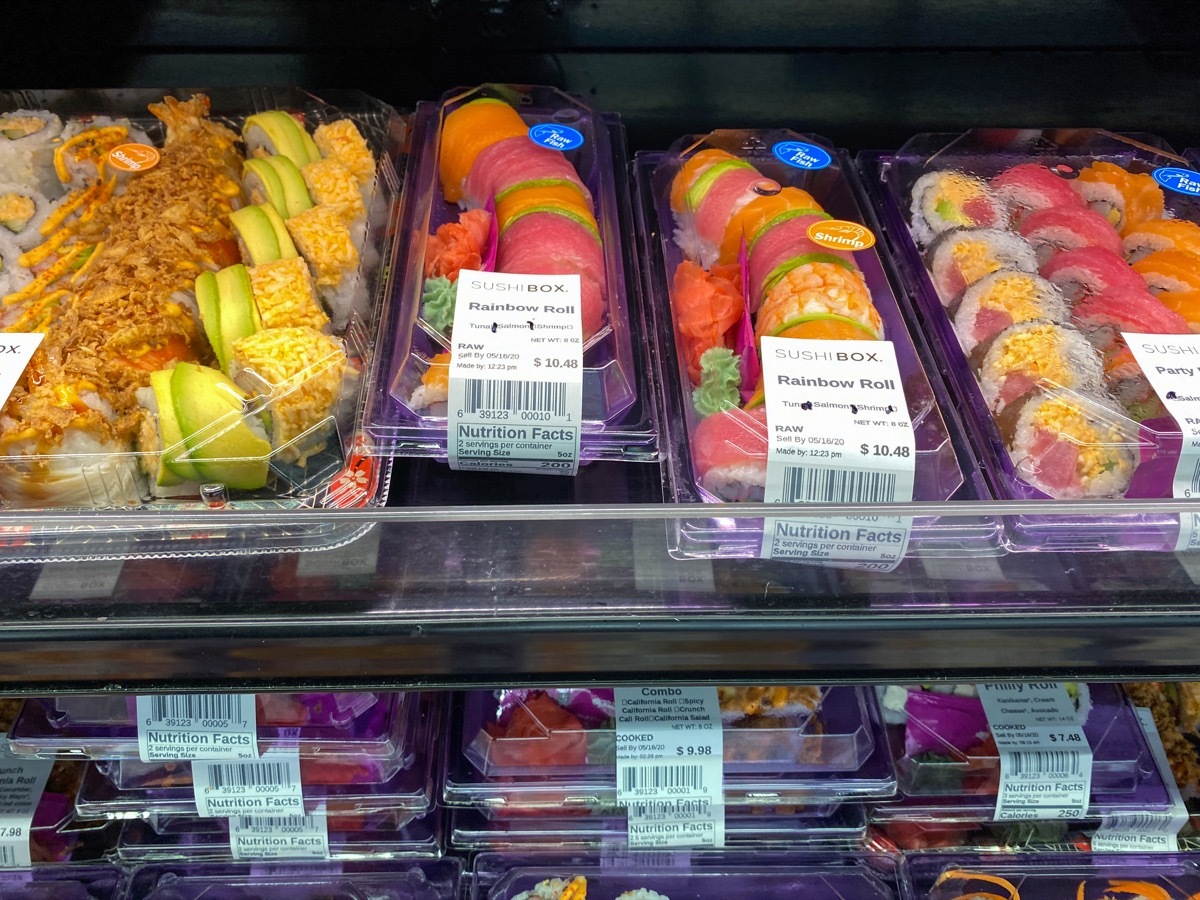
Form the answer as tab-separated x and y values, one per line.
248	774
8	857
801	485
1150	823
519	396
635	778
1195	481
695	807
227	707
1060	763
247	823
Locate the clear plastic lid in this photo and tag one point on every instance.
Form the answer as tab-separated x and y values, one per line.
395	880
596	793
407	416
350	838
272	338
277	710
840	827
562	731
92	882
1031	255
707	276
704	875
381	733
344	787
1038	876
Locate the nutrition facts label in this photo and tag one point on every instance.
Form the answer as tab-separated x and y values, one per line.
516	374
267	787
196	726
1045	759
670	762
838	431
279	837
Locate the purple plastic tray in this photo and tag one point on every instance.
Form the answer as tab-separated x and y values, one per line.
709	875
841	741
597	794
208	839
842	827
890	178
379	734
1050	876
278	710
618	413
938	474
395	880
1124	776
62	883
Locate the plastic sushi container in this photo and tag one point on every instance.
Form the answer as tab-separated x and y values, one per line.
711	323
91	882
525	184
592	790
228	371
280	710
196	839
1038	876
1031	254
394	880
697	876
835	827
910	835
948	767
384	732
565	731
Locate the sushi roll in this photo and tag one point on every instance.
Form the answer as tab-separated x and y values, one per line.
515	161
284	295
1031	186
13	276
784	245
1103	317
276	180
435	383
1069	446
332	184
1089	270
81	155
961	257
1126	200
1169	271
300	371
1065	228
322	238
1036	356
1003	299
820	300
342	141
22	212
466	132
642	894
1128	385
540	195
762	214
729	449
1161	234
27	139
556	889
278	133
739	704
1185	304
943	201
711	200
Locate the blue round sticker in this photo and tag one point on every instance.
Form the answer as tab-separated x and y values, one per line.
801	155
556	137
1181	181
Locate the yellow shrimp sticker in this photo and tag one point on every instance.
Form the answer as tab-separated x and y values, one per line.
838	234
133	157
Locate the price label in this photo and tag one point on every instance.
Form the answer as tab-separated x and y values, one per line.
15	353
267	787
1045	759
670	762
280	837
1149	830
516	373
21	784
838	431
358	558
196	726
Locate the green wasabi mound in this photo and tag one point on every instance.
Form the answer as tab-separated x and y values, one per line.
720	380
437	302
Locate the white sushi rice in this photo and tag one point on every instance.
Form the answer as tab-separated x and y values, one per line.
29	160
1005	249
13	276
1051	305
1076	355
29	234
82	172
82	472
927	222
642	894
550	889
746	483
1103	198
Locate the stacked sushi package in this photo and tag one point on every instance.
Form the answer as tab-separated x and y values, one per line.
506	182
538	770
346	776
1048	267
191	280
